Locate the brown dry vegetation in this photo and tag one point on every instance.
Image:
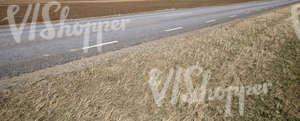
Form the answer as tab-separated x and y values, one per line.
115	85
88	9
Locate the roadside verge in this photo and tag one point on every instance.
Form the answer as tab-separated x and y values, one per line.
114	86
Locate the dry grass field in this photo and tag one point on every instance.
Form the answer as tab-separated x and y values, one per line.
114	86
90	8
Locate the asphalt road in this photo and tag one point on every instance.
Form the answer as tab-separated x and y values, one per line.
32	55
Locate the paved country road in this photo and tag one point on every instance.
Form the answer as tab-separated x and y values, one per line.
29	56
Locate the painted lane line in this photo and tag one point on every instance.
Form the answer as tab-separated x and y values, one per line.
209	21
73	50
180	14
177	28
232	16
102	44
46	55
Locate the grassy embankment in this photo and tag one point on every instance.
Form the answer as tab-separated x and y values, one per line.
114	86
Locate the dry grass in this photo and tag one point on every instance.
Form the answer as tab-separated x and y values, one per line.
255	50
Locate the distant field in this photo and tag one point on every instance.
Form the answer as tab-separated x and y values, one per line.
63	1
91	8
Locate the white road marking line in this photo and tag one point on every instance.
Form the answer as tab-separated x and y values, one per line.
209	21
102	44
177	28
180	14
232	16
46	55
73	50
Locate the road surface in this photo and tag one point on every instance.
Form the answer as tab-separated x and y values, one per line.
29	56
